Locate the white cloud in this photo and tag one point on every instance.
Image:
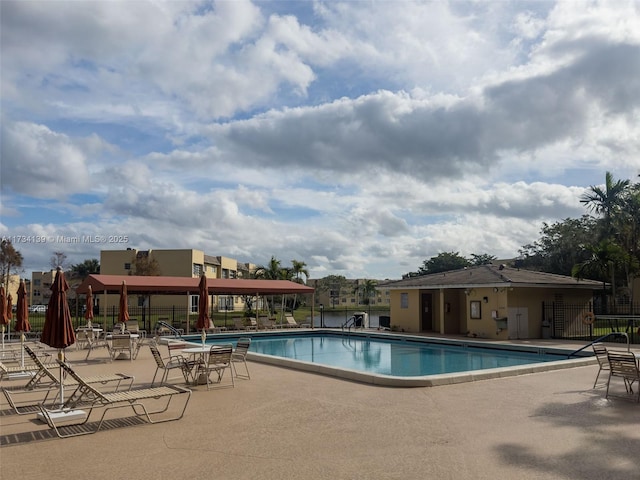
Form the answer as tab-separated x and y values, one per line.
41	163
361	138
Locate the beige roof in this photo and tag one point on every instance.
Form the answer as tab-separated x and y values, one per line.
491	276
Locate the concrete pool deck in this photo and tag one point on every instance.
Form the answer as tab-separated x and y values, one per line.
290	424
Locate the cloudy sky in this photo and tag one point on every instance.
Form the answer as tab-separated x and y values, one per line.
359	137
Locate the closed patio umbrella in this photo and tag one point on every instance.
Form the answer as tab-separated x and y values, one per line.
203	308
22	317
4	318
123	306
58	328
88	309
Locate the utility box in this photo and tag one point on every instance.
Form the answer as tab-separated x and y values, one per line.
546	330
501	323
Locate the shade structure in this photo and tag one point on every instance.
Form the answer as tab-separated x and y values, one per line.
58	328
203	307
4	318
123	306
22	317
88	311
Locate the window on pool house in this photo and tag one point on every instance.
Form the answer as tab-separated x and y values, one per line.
404	300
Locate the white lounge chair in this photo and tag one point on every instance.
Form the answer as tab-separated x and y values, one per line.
47	380
88	398
290	322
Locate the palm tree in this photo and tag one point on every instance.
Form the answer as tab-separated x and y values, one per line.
272	271
297	269
627	224
602	263
368	289
606	202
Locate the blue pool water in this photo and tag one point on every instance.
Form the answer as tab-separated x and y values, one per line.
388	356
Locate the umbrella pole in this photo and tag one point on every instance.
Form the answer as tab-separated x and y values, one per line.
21	349
2	337
61	358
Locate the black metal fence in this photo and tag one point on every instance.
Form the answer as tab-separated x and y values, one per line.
591	321
147	317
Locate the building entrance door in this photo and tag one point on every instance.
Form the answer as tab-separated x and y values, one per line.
427	312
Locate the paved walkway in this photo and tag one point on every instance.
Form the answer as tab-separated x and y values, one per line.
285	424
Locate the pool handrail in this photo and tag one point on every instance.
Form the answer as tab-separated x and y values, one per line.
171	328
612	334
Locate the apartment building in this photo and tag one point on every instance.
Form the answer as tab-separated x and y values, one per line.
39	289
177	263
348	293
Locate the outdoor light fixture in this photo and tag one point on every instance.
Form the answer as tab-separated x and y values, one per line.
485	299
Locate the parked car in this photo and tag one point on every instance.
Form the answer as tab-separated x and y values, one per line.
38	308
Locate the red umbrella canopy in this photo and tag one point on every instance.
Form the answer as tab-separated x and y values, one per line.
22	310
123	307
88	312
203	305
9	307
4	318
58	329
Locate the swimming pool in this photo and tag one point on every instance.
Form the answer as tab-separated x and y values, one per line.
398	360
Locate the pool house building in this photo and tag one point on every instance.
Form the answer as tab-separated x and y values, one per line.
491	301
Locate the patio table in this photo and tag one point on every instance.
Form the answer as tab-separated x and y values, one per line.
199	355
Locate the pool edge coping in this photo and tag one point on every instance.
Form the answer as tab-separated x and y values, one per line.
420	381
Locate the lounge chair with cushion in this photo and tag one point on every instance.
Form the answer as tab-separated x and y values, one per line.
143	402
47	380
623	365
239	355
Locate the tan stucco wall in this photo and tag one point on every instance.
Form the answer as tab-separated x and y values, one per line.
504	301
405	319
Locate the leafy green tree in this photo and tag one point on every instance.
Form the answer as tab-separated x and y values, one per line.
482	259
627	226
561	246
10	262
86	268
443	262
145	265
